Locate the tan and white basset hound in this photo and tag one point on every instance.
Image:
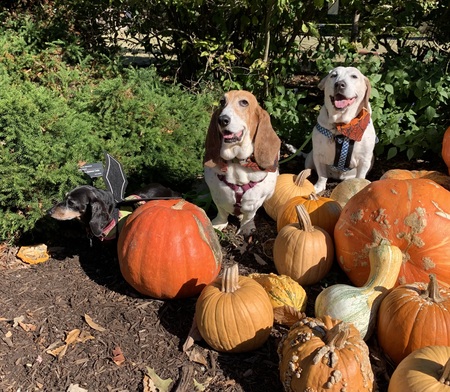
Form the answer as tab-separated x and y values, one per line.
344	138
241	159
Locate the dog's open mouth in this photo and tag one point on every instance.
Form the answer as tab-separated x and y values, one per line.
341	101
230	137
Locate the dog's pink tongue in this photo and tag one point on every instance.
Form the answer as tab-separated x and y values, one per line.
343	103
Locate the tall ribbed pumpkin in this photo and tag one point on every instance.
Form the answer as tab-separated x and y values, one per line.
169	249
302	251
413	215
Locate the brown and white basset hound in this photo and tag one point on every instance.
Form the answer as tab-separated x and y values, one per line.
241	159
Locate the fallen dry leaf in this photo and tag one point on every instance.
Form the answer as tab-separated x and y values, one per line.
76	388
202	386
148	384
160	384
17	320
196	356
7	338
72	336
27	327
193	335
93	324
118	357
84	336
287	315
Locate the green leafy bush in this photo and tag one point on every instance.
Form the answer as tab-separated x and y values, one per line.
54	120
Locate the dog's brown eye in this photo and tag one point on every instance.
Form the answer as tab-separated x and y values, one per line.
243	102
355	76
222	102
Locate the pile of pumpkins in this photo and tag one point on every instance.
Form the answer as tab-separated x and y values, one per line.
392	239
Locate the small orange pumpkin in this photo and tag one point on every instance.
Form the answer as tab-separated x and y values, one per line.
169	249
303	251
323	211
288	186
414	316
234	313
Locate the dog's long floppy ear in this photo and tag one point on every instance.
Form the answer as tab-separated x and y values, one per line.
99	219
102	206
266	142
213	142
367	94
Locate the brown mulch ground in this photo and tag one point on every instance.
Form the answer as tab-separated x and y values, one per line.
122	336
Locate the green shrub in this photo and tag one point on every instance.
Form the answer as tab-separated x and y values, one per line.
58	116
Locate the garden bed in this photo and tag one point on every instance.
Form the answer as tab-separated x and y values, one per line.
73	322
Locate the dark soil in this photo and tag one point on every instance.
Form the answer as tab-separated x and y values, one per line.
41	304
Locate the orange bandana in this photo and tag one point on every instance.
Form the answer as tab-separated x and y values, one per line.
355	129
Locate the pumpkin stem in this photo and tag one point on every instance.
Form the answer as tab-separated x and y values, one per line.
304	220
334	338
337	336
302	176
445	376
230	279
432	291
179	205
313	196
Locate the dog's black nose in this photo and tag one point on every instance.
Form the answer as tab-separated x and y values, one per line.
339	85
224	120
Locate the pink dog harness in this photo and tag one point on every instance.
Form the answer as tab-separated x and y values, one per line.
239	191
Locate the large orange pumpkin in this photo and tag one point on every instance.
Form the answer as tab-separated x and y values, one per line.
413	215
169	249
446	148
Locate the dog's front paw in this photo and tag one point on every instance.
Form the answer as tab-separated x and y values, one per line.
247	229
218	224
320	185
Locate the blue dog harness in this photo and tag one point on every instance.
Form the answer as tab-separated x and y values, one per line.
344	148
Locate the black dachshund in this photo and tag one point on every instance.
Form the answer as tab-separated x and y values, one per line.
99	212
